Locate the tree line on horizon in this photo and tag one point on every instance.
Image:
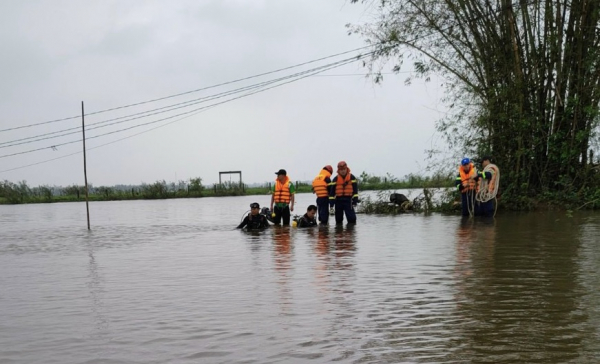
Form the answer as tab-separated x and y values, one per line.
21	192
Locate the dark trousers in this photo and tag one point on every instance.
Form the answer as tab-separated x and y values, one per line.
486	209
323	209
282	212
344	206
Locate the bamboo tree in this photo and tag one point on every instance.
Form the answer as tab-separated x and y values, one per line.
523	78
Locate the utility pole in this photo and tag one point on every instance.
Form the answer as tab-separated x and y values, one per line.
87	202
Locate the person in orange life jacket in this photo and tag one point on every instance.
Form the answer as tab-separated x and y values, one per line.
487	208
283	198
467	184
254	220
308	220
343	193
320	186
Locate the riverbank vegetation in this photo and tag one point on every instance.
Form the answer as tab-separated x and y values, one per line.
21	192
521	82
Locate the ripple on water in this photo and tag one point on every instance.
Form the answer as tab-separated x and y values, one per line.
172	281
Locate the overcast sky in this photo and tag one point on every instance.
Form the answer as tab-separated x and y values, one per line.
56	54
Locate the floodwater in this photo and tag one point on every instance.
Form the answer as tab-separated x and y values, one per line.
172	281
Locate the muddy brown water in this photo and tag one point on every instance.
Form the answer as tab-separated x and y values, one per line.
171	281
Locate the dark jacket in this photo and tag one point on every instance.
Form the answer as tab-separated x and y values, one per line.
252	222
306	221
349	188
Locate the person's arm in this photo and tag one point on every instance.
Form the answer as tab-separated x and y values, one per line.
485	175
354	189
331	191
459	183
265	222
243	223
301	222
292	196
272	200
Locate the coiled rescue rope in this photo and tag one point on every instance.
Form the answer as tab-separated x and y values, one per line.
486	193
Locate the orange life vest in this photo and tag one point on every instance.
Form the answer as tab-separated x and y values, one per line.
282	191
319	185
471	185
343	187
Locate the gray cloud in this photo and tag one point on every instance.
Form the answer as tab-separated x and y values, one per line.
112	53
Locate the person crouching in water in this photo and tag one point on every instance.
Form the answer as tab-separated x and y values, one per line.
343	193
466	182
308	220
254	220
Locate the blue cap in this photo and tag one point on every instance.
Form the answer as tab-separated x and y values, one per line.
465	161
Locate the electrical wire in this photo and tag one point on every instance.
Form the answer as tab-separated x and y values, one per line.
337	64
189	92
75	130
105	144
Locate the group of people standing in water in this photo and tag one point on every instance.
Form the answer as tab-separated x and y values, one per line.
340	195
478	188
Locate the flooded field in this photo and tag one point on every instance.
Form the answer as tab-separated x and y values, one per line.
172	281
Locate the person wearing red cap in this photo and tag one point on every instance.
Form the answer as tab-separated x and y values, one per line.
283	198
343	193
320	186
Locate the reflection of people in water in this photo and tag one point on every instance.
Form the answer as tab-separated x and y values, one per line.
282	248
335	248
283	257
345	246
474	244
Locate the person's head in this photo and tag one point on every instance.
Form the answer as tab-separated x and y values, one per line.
328	168
466	164
311	211
485	160
342	169
254	208
281	174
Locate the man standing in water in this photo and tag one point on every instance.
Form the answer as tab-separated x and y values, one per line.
283	198
466	184
488	187
320	186
343	192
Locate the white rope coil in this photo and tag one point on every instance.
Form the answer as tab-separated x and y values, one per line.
488	188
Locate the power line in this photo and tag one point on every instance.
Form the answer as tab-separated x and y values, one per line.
233	81
187	92
105	144
168	108
225	83
334	65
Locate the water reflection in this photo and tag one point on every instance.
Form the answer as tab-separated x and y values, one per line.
335	251
411	288
475	241
96	289
518	290
283	257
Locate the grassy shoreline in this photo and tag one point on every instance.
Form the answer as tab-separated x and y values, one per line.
162	195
